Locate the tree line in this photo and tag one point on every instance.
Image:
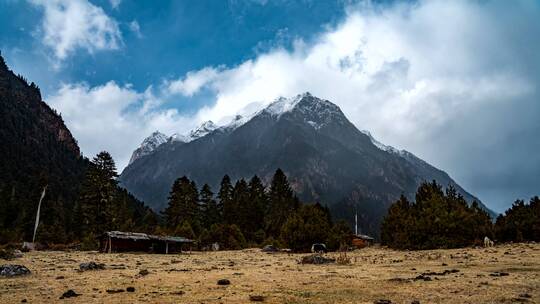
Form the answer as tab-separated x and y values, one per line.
241	214
520	223
443	219
246	213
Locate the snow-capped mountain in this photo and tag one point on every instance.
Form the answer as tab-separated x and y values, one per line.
177	137
326	158
156	139
202	130
148	145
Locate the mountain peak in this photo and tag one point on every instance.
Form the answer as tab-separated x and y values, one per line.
305	100
177	137
205	128
148	145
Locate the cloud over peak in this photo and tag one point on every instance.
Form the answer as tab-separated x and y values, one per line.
71	24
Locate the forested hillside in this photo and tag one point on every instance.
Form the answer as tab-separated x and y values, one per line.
38	150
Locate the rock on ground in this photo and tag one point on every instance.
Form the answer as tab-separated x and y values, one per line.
69	294
13	270
91	266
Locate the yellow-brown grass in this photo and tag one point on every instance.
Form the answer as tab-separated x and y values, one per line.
373	274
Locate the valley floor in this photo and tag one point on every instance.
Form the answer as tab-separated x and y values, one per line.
503	274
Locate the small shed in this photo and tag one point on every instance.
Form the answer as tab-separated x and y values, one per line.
119	241
362	240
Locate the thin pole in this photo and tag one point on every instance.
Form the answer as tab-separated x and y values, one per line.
356	223
37	214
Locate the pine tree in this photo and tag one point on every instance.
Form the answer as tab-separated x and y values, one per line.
257	208
396	224
282	202
304	227
209	207
96	198
183	204
239	210
225	199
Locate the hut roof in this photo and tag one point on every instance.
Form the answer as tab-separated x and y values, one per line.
177	239
143	236
364	237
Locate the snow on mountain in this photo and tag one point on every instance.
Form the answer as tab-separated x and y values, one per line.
204	129
148	145
237	121
177	137
314	111
382	146
283	105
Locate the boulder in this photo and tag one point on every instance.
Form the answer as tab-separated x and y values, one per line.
69	294
91	266
256	298
13	270
119	290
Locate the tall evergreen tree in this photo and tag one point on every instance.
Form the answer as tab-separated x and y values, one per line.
238	212
282	202
97	195
305	226
209	207
225	199
257	208
183	204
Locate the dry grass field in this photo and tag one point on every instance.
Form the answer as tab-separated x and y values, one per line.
503	274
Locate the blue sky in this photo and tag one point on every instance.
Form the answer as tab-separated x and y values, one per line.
174	37
455	82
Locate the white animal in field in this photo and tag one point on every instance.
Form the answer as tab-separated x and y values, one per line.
488	242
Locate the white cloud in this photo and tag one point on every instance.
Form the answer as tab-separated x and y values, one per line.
71	24
403	72
113	117
115	3
193	82
135	28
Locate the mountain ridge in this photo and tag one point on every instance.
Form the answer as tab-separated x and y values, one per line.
325	156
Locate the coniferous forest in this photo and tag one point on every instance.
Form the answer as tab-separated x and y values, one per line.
246	213
442	219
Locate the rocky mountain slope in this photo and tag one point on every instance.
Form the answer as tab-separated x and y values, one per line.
326	158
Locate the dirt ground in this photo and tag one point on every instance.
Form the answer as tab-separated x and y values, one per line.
503	274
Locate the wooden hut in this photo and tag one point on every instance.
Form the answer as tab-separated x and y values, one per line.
118	241
361	240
